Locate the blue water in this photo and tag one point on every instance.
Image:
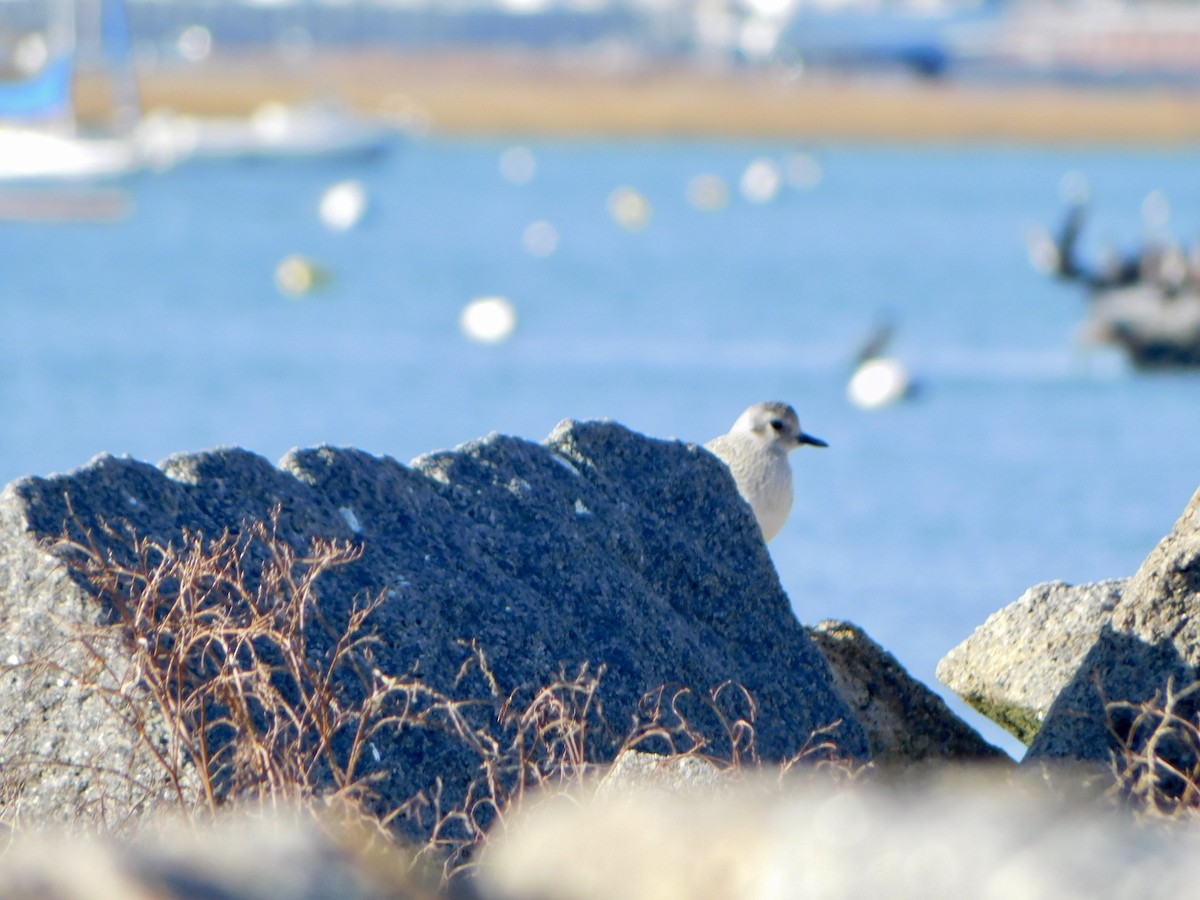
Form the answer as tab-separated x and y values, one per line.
1025	459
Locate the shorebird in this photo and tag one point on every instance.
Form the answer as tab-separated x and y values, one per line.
756	451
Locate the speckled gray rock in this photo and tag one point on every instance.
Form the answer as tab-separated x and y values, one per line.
1162	601
1154	636
600	545
1018	661
905	721
62	739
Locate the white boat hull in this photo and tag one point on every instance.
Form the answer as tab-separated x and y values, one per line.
30	154
274	131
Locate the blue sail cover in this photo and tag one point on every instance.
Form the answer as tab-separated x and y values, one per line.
46	94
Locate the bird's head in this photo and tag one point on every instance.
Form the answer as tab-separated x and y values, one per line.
776	424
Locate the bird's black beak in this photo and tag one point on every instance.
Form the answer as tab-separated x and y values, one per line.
803	438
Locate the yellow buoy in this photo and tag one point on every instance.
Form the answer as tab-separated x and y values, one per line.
296	276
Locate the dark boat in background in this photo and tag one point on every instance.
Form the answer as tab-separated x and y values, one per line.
1148	304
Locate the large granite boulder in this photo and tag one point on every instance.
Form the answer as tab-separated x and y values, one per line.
599	546
1153	639
1063	666
1018	661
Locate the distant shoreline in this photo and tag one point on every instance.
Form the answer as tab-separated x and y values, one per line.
518	95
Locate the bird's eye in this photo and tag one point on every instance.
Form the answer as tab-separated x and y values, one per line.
777	424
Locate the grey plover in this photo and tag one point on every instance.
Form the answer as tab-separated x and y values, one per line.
756	451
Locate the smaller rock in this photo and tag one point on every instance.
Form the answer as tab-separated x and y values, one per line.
1017	662
904	720
638	770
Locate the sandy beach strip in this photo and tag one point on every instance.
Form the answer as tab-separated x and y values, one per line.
520	95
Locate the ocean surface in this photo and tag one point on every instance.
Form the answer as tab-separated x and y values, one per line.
1025	457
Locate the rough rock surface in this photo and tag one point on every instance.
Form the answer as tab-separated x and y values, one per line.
1018	661
1045	666
1163	598
600	545
904	720
1154	638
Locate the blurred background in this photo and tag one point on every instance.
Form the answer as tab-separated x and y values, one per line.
959	237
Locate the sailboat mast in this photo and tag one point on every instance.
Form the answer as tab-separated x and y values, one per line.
62	42
102	47
118	44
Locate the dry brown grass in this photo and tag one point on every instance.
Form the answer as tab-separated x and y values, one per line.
1156	764
266	702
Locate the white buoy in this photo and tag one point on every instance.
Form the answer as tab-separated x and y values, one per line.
761	181
343	205
540	238
488	320
518	165
878	382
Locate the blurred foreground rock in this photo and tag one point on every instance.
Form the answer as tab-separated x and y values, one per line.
951	837
1059	653
238	857
599	546
905	722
